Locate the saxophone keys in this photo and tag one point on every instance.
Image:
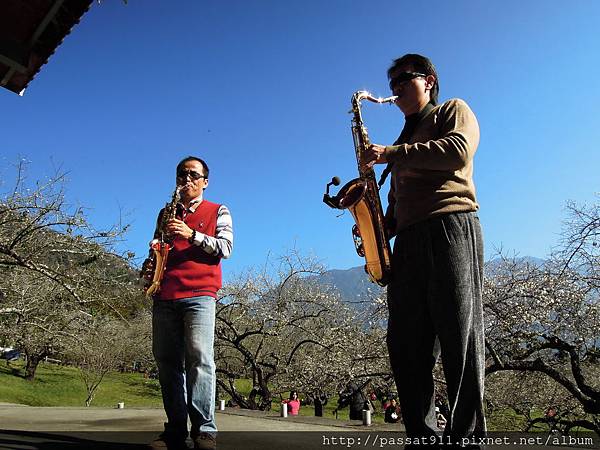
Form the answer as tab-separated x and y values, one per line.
358	242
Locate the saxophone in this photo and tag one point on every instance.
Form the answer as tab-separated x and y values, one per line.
361	197
153	268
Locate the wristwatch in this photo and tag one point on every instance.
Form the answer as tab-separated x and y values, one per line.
192	237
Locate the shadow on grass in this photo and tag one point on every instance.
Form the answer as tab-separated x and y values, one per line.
12	370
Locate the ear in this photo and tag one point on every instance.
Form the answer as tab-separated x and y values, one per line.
205	183
429	81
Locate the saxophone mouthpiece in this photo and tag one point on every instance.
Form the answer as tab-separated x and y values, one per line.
391	99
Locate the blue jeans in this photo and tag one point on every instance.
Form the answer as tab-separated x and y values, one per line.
182	342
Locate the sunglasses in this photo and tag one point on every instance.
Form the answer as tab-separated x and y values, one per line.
183	174
403	77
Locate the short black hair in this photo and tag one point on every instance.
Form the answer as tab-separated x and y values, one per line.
193	158
421	64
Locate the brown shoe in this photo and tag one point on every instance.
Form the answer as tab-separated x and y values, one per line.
205	441
167	443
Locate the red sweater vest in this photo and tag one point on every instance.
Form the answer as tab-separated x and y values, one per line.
190	271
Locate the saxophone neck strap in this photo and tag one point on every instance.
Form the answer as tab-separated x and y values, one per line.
385	174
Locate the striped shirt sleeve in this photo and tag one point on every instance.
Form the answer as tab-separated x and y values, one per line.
222	243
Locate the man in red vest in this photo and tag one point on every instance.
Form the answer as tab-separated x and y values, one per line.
183	315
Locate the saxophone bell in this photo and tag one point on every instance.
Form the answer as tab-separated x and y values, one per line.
348	196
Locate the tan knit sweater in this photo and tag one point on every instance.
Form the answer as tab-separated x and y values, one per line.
433	173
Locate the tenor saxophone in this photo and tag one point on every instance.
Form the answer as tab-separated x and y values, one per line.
361	197
153	269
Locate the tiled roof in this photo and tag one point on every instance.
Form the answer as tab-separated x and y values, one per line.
30	32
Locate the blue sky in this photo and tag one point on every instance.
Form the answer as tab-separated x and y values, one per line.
261	90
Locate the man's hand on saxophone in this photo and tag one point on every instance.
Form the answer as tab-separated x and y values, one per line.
179	229
375	154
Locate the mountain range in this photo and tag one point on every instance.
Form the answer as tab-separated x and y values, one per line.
354	286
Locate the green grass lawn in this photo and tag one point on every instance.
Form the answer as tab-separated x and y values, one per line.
62	386
56	385
505	420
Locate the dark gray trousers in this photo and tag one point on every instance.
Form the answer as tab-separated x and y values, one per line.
435	296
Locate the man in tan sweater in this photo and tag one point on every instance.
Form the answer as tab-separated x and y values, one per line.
437	264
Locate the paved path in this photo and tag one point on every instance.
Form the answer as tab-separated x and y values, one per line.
66	428
54	428
28	418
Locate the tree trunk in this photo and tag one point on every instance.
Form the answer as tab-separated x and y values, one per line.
88	400
265	397
32	364
265	404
